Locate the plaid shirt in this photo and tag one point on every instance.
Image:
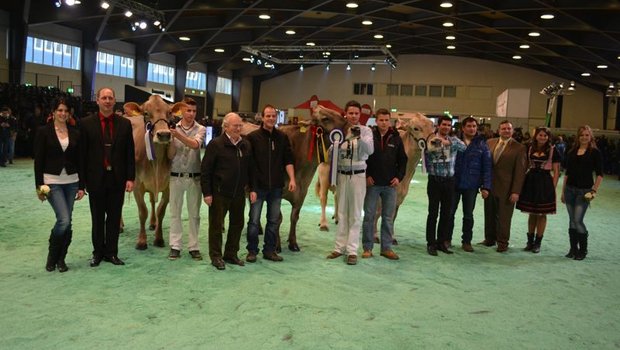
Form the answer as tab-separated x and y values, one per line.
440	161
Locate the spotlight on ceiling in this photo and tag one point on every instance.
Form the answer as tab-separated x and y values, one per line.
547	16
301	67
143	25
352	5
128	13
446	4
571	86
373	67
105	5
348	66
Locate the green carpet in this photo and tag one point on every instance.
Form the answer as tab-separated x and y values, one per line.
481	300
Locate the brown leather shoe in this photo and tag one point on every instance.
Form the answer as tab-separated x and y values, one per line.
251	257
334	255
390	254
467	247
235	261
367	254
352	260
218	263
272	256
502	247
487	243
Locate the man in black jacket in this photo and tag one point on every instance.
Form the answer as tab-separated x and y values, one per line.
272	157
109	169
223	179
385	169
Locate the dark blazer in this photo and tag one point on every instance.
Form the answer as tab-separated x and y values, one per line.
91	148
225	167
49	157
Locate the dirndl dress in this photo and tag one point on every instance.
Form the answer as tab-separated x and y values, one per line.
538	193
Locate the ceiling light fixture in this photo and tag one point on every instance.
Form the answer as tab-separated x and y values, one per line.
301	67
349	66
352	5
264	16
586	74
378	36
534	34
373	67
450	37
218	50
389	46
310	43
367	22
450	47
105	5
128	13
547	16
290	32
184	38
142	25
524	46
448	24
446	4
601	66
516	57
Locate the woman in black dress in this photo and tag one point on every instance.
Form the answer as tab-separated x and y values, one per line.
56	166
583	160
538	194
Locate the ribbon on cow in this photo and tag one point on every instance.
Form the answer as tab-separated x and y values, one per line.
422	144
148	141
335	137
321	151
312	140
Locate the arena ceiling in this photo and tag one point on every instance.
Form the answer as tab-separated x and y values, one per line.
582	35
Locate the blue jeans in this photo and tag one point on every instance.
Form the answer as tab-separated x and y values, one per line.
274	199
61	198
576	206
469	203
388	207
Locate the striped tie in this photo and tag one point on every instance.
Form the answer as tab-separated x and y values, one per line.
498	150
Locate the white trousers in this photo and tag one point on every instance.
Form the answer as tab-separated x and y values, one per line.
190	187
351	191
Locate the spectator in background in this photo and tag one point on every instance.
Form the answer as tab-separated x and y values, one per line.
7	125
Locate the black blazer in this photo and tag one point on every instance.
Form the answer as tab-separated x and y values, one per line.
91	149
49	157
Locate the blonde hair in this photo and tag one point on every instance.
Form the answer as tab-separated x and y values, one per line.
591	145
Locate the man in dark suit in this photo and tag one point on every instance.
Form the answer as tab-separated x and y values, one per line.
108	162
508	173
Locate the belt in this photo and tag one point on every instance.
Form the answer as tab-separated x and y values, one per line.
351	172
185	174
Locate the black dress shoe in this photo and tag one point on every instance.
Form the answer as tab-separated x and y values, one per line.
95	261
441	247
218	263
431	250
114	260
234	261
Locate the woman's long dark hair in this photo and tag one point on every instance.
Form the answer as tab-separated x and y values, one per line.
534	143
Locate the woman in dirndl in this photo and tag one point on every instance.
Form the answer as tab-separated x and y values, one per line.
538	194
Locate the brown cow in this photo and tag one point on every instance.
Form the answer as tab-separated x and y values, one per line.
302	138
152	176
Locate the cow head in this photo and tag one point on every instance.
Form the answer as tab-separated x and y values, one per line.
157	118
418	127
328	119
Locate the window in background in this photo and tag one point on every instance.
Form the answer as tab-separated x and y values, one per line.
196	80
449	91
159	73
119	66
406	90
392	90
362	89
435	90
224	86
420	90
51	53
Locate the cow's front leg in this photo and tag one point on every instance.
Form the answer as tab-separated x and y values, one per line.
161	212
142	214
153	219
292	235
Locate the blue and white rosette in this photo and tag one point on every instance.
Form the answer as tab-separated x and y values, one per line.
335	137
148	141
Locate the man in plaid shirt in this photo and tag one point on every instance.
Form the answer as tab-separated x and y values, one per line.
440	160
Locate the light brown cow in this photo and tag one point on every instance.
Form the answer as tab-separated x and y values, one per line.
152	176
302	138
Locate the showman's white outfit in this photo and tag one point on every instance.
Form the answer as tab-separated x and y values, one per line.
185	178
351	189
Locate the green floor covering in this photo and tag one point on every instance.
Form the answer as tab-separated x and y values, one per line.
483	300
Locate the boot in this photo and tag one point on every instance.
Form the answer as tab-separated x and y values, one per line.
62	266
583	246
536	245
530	242
572	236
53	252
